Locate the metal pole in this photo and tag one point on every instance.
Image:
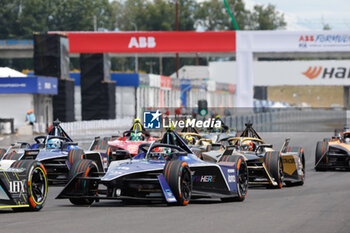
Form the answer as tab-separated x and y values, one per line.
136	55
177	29
231	15
160	65
95	23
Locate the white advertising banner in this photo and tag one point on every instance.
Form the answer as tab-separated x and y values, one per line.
249	42
287	73
301	73
293	41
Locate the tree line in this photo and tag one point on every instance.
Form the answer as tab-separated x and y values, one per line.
20	18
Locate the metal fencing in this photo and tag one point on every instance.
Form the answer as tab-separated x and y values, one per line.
290	120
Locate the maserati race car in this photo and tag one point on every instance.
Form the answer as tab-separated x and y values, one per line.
23	185
333	153
52	150
118	148
265	165
165	171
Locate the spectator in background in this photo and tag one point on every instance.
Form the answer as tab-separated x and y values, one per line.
227	112
30	117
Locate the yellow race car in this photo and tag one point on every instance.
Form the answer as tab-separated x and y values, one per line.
266	166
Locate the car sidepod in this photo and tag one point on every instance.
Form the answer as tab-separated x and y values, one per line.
292	167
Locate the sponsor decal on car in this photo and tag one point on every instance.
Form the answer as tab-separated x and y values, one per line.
204	179
16	186
231	178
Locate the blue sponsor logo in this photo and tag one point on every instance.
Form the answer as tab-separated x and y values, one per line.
152	119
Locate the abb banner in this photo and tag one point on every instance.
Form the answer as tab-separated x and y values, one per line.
151	42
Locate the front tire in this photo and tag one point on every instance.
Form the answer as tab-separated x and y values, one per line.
241	177
274	166
321	149
36	184
179	177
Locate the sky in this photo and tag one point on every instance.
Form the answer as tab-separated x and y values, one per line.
310	14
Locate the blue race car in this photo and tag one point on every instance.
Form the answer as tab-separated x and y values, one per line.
54	151
166	171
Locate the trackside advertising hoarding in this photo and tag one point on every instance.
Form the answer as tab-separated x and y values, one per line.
151	42
29	85
291	73
293	41
249	42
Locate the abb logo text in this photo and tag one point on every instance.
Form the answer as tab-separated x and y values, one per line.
333	72
142	42
306	38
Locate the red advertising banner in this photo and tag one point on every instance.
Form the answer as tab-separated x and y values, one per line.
165	82
151	42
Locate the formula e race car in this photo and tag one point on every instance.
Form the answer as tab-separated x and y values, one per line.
119	148
23	185
52	150
265	165
333	153
196	142
165	171
128	144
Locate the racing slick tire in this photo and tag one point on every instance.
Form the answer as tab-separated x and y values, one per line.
274	166
37	184
242	177
86	168
179	177
326	139
2	152
75	155
321	148
300	152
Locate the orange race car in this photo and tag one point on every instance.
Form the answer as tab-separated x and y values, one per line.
333	153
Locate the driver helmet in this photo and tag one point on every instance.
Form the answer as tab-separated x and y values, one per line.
346	135
137	120
218	117
250	144
54	143
136	136
190	139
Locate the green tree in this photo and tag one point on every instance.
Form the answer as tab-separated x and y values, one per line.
266	18
212	16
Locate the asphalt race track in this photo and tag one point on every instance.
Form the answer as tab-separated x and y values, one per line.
321	205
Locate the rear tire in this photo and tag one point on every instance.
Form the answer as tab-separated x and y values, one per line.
179	177
85	168
241	177
274	166
75	155
321	148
